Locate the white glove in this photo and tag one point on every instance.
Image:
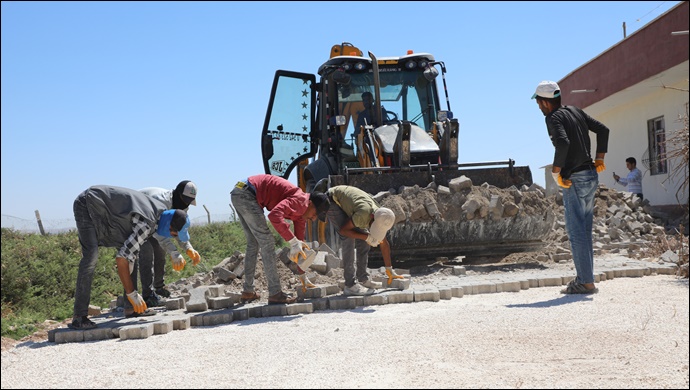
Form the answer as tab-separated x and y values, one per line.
372	241
137	302
178	261
296	249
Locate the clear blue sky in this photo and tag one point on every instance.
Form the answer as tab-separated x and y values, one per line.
140	94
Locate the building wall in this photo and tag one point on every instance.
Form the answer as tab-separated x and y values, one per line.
649	51
628	137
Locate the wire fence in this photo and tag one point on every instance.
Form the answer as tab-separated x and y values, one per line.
55	226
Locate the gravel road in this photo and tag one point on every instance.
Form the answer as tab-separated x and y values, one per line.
633	334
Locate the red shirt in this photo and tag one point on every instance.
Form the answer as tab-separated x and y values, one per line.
283	200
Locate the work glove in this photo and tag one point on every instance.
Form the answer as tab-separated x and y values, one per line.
137	302
297	248
194	255
306	283
372	241
599	165
392	275
178	261
559	180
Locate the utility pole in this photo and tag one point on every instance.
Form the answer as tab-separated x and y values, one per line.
40	224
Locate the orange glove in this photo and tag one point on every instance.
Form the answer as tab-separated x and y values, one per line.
137	302
392	275
194	255
559	180
178	261
599	165
306	283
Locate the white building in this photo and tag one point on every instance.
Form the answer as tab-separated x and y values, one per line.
639	89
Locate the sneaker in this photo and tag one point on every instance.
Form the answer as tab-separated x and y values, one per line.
357	289
281	297
163	292
153	301
82	323
371	284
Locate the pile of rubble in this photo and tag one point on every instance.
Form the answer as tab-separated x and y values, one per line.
623	224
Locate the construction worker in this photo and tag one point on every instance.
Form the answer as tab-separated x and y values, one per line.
117	217
367	116
284	201
361	223
152	254
577	173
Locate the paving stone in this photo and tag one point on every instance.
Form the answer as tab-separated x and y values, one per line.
445	292
634	272
219	302
137	331
240	314
163	327
459	270
376	299
342	302
513	286
66	335
216	290
550	281
254	311
333	289
458	291
274	310
486	288
197	299
406	296
299	308
427	295
182	323
175	303
319	304
315	292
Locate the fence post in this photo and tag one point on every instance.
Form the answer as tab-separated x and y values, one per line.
40	224
208	214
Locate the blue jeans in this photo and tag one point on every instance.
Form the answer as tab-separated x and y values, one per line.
253	221
89	257
337	217
578	201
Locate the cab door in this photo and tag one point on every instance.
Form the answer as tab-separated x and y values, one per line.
287	137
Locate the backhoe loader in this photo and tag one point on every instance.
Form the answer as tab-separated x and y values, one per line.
403	138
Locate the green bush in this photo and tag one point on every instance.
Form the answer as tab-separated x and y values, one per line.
39	273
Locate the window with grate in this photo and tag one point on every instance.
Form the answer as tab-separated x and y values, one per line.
656	135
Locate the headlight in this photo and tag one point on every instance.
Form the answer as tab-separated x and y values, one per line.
411	65
359	66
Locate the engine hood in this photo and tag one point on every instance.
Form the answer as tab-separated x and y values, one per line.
420	140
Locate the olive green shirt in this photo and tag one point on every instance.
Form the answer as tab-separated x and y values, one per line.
357	204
